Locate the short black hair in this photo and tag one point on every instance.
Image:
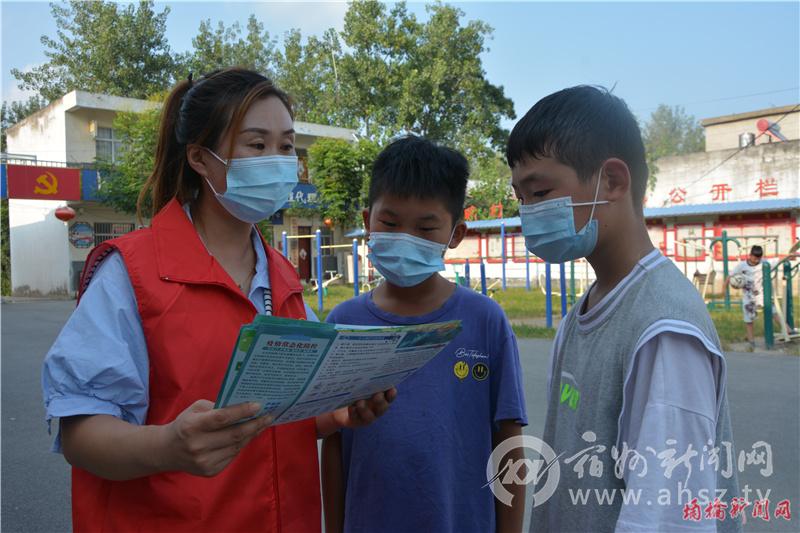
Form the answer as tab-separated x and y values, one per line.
757	251
581	127
414	167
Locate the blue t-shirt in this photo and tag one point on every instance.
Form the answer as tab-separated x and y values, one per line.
422	465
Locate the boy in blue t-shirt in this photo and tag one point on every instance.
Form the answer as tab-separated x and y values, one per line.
422	466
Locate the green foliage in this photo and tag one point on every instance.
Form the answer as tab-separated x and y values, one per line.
300	210
5	251
491	185
224	47
402	75
526	331
340	171
310	74
265	227
670	131
445	95
385	73
103	47
520	304
13	112
122	180
378	40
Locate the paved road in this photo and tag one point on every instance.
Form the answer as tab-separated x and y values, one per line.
764	393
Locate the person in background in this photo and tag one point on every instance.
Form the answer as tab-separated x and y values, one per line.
752	298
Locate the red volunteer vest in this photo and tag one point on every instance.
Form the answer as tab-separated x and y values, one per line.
191	312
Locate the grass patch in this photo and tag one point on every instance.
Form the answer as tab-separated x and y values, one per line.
520	304
334	295
524	331
730	325
517	303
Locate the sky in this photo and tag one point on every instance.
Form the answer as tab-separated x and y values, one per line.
712	58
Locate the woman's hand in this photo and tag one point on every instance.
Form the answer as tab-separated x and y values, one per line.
359	414
203	440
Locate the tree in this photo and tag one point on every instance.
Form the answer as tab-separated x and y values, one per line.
490	185
379	42
402	75
340	170
103	47
15	112
310	74
445	94
121	181
670	131
225	47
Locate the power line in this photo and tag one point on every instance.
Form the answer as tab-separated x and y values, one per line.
742	148
726	98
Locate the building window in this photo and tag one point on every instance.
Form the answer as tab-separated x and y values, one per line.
108	146
104	231
327	240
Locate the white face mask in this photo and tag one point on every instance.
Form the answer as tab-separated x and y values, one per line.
257	187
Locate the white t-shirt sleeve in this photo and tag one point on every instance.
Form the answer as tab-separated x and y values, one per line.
671	403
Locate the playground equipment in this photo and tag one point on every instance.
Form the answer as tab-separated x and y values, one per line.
704	282
574	292
320	282
778	291
570	288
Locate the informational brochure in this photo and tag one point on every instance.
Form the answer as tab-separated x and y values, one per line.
297	369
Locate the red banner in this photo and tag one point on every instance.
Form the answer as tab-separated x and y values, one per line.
43	183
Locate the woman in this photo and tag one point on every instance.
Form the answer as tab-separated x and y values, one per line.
133	371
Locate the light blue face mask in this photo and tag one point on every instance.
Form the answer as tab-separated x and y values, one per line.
257	186
405	260
549	229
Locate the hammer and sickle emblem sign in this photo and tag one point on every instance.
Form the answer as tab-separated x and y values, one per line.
47	184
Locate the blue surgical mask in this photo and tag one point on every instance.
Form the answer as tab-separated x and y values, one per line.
405	260
257	186
549	229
